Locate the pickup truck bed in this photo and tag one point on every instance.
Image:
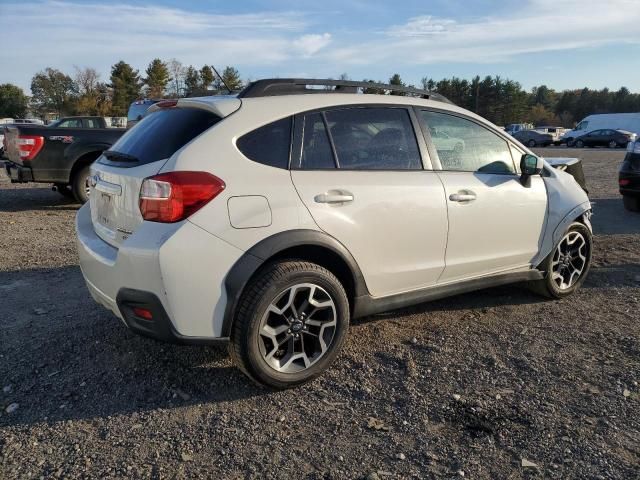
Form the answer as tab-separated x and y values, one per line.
56	155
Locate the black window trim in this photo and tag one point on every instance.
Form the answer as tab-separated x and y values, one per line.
292	128
297	142
437	165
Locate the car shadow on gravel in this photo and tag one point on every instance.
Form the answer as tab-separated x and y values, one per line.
610	218
31	199
65	358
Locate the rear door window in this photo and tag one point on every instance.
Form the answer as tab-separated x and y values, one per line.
316	151
158	136
269	144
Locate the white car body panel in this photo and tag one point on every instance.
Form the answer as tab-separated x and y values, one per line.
395	227
500	230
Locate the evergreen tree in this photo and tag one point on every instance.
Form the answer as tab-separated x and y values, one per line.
206	77
126	86
157	78
231	78
396	80
191	80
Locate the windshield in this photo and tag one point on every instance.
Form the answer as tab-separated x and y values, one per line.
583	125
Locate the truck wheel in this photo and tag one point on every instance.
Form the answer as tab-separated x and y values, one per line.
291	323
631	203
566	267
79	184
64	189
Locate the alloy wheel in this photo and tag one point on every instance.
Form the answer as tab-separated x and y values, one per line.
297	328
569	260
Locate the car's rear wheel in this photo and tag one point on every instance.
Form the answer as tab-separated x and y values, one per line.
613	144
292	320
79	184
579	143
566	267
631	203
570	142
531	143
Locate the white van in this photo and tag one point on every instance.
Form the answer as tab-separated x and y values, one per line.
613	121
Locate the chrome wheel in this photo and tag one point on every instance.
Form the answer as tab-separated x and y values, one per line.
298	328
569	260
613	144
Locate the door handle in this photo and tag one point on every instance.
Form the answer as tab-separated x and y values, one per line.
334	196
463	196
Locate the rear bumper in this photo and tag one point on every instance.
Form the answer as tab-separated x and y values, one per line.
18	173
175	270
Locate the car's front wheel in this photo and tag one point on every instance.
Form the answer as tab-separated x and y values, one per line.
579	143
292	320
566	267
613	144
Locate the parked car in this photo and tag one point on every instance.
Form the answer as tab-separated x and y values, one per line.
629	122
268	220
81	122
629	177
604	138
533	138
21	121
138	109
57	155
517	127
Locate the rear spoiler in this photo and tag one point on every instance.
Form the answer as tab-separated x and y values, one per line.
220	105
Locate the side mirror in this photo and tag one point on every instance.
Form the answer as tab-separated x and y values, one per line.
529	165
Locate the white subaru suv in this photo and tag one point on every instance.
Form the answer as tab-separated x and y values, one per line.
269	219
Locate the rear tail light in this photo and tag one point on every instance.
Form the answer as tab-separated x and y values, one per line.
29	146
167	103
623	182
174	196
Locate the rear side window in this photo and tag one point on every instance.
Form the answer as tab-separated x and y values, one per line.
268	144
316	151
377	138
159	135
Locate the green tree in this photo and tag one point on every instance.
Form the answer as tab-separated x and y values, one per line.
126	86
13	101
157	78
397	81
53	91
191	80
206	77
231	78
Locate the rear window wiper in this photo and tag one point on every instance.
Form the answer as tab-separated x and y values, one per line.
120	157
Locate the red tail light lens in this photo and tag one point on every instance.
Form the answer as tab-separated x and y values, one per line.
167	103
29	146
623	182
143	313
174	196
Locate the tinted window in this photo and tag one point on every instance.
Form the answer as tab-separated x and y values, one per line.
92	123
316	149
374	139
75	123
268	144
160	134
469	147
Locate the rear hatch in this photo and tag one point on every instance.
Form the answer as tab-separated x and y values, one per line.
116	177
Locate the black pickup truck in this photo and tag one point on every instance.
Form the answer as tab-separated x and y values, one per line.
61	156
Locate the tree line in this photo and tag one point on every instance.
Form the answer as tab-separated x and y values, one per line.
499	100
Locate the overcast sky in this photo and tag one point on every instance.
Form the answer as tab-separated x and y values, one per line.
561	43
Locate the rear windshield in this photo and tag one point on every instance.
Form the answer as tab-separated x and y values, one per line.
158	136
137	110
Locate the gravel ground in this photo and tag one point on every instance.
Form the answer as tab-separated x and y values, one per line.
494	384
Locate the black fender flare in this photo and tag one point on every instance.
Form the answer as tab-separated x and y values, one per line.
76	151
244	268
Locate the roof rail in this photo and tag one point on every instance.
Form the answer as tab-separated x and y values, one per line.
270	87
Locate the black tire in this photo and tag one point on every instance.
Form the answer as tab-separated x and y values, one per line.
64	189
547	286
631	203
570	142
579	144
531	143
269	283
79	184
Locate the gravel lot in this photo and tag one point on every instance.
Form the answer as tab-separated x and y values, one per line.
497	384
